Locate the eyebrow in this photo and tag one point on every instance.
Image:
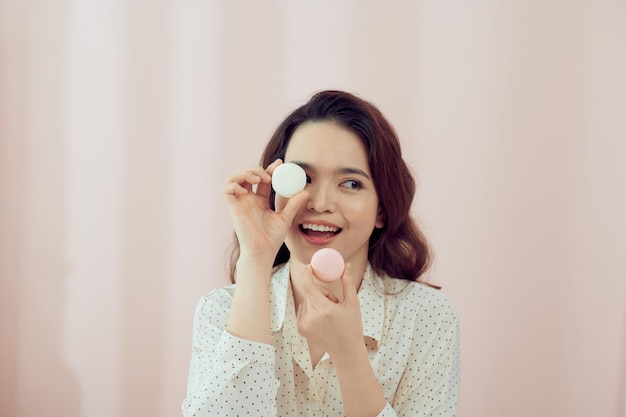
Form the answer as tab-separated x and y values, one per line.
341	170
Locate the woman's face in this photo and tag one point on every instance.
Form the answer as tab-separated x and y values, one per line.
342	209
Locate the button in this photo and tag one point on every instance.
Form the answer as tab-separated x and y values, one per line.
315	407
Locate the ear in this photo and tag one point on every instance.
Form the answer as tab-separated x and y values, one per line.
380	218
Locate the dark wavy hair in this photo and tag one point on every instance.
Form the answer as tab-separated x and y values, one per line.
399	248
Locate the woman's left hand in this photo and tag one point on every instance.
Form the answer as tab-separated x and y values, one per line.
327	323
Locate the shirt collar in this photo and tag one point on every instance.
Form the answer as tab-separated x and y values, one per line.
371	299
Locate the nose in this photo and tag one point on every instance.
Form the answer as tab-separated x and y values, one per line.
322	197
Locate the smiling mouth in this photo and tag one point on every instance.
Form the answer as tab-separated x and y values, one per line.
319	231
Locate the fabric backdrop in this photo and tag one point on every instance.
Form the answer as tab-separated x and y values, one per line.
121	120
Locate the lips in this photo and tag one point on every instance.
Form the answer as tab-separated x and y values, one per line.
319	234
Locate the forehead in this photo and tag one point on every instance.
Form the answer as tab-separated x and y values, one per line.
327	143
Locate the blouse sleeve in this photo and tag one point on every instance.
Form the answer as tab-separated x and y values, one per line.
228	376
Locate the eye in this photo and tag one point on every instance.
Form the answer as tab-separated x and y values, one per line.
308	179
351	184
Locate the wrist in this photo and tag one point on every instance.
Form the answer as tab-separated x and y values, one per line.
256	270
350	357
361	391
257	260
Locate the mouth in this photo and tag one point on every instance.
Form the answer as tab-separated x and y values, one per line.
318	233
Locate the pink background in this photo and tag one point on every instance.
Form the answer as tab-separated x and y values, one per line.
120	121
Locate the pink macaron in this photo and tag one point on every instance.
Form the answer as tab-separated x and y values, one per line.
328	264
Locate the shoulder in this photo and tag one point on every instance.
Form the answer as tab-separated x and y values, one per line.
418	297
424	313
221	298
215	304
220	295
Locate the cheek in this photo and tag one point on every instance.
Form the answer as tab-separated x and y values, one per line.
366	210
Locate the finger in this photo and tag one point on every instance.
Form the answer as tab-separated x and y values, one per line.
348	284
329	294
265	187
301	318
311	291
300	312
234	189
308	283
254	175
314	294
243	177
294	204
271	167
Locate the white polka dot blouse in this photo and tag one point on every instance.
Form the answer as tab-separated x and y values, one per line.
410	329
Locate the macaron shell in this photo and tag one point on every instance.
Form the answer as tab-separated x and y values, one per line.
328	264
288	179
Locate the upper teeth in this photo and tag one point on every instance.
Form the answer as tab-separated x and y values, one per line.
319	228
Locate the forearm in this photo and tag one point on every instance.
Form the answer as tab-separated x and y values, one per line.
249	316
238	380
361	392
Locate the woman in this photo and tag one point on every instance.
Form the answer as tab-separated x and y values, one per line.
378	342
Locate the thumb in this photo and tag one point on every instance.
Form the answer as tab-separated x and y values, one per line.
348	284
293	205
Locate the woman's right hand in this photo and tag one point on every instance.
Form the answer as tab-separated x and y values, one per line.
260	230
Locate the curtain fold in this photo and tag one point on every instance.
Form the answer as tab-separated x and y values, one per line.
121	121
